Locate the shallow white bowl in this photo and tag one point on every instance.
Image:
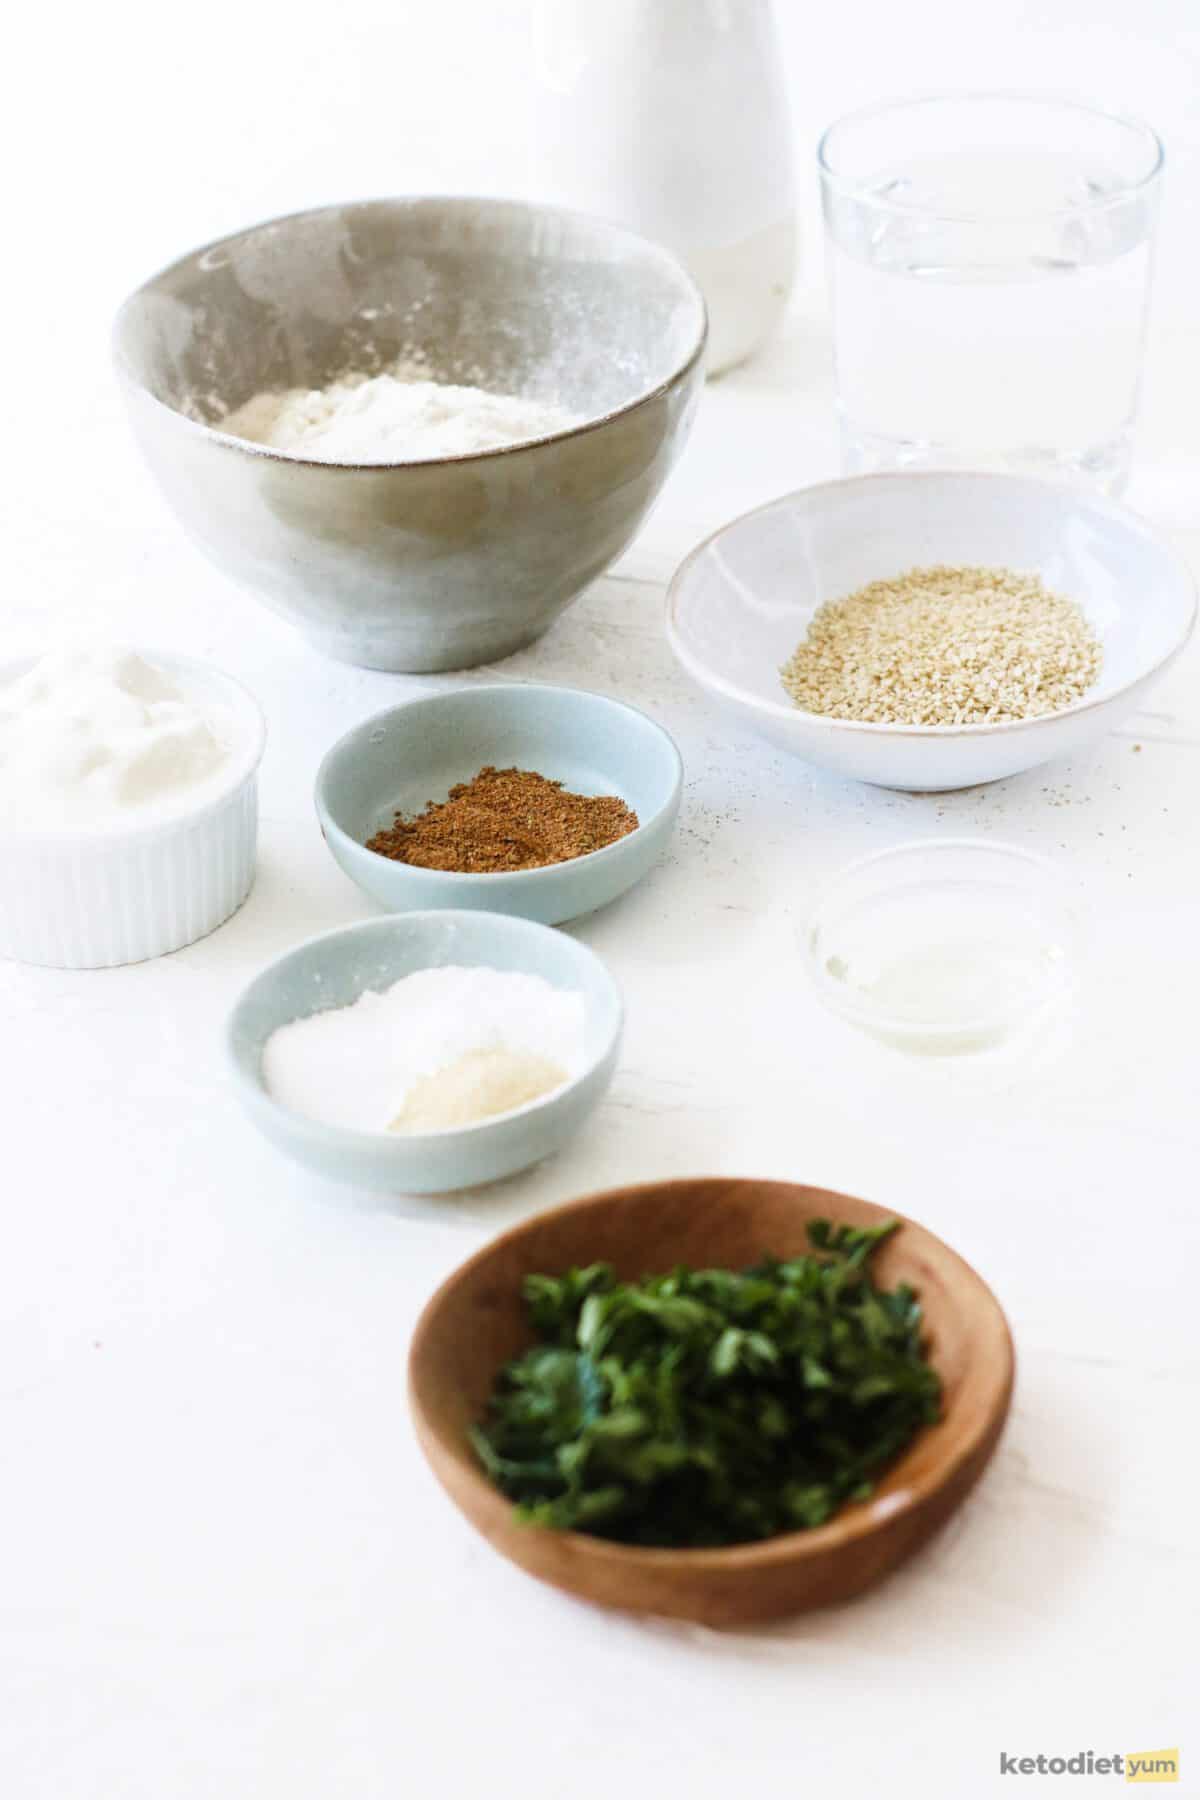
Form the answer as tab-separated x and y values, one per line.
742	601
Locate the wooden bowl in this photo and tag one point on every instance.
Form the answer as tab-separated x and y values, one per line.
475	1323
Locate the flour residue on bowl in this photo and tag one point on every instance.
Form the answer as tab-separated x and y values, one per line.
439	1049
396	415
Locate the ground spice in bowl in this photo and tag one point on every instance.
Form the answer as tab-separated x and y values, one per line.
504	820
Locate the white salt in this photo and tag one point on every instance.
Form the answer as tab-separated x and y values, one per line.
354	1065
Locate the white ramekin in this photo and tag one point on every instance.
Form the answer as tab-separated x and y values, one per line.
124	892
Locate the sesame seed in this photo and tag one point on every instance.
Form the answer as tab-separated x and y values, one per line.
945	646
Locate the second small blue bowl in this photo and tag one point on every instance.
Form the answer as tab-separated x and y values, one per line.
401	759
338	967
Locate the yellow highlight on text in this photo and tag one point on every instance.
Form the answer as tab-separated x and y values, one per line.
1152	1765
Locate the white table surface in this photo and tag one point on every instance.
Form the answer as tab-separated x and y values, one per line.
224	1568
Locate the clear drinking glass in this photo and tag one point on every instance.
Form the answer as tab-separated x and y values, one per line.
989	267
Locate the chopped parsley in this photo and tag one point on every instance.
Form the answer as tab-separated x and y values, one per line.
706	1407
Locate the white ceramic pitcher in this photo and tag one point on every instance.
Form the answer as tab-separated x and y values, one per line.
670	116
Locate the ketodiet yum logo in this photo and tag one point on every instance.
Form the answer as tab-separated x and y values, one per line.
1128	1765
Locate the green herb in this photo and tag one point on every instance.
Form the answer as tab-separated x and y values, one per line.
708	1407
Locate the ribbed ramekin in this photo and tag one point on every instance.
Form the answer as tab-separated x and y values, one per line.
121	893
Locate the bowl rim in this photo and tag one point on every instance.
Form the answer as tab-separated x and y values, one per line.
396	1144
517	878
659	252
702	673
120	833
847	1004
851	1523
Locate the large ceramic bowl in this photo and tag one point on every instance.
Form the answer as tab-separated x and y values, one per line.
400	760
743	600
334	969
422	565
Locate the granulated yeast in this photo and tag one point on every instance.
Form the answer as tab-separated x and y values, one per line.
479	1084
505	819
945	646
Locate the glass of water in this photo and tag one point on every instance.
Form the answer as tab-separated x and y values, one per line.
989	267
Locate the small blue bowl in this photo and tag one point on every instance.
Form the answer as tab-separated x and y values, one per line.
335	968
401	759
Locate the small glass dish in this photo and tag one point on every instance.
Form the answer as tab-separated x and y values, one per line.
944	947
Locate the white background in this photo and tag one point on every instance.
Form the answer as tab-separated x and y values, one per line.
224	1569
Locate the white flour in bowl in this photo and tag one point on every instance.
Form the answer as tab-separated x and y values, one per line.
389	418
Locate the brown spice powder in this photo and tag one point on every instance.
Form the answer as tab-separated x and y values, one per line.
505	819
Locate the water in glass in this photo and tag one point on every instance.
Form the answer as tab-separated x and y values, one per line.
989	311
